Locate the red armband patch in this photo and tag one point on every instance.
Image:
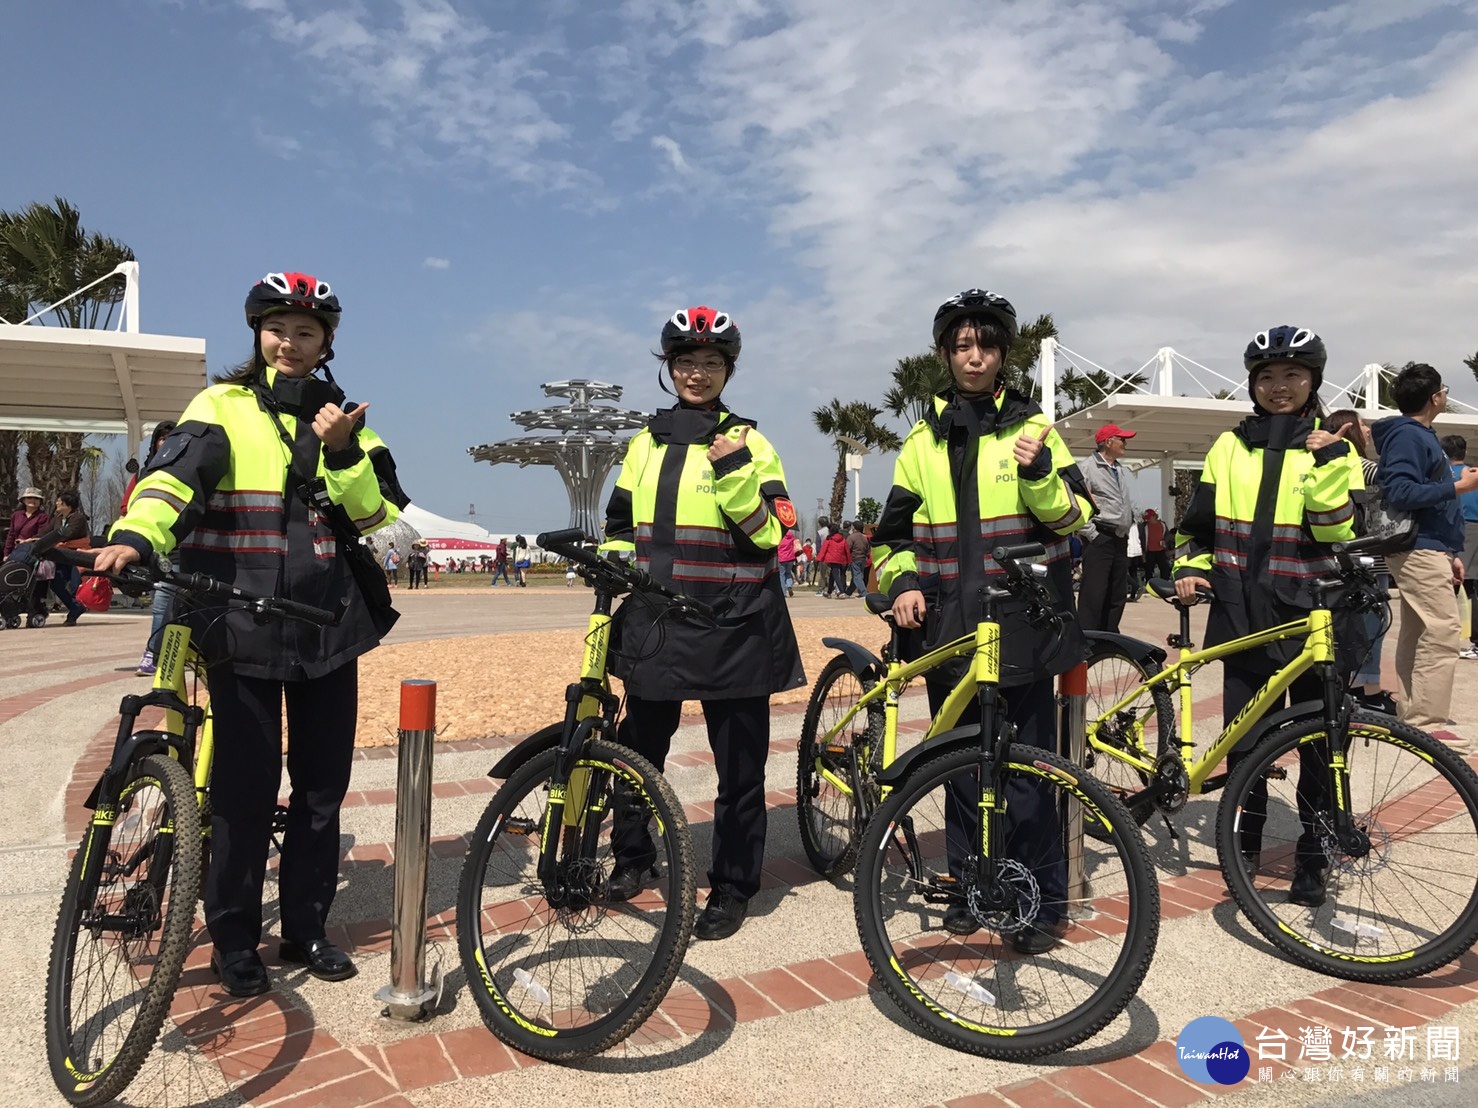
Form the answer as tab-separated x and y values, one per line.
785	512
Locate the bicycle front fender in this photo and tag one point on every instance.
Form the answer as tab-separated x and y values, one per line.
942	743
545	739
138	746
1270	723
1146	653
862	659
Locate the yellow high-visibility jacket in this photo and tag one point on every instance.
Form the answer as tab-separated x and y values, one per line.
218	490
711	531
1259	528
958	493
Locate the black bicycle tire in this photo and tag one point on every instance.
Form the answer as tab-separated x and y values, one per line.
825	863
175	933
1164	720
1121	984
1453	942
668	953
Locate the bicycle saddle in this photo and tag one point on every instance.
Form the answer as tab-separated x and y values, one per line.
1165	590
1162	588
878	603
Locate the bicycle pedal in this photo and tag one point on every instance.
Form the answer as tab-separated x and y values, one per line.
516	825
834	748
1277	773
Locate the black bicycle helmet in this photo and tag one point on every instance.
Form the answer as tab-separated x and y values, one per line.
293	292
975	302
701	327
1296	345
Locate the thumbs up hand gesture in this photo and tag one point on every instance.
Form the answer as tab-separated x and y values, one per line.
1318	439
723	445
1028	446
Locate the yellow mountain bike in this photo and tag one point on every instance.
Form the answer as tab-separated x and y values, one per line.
1005	940
128	909
561	964
1386	812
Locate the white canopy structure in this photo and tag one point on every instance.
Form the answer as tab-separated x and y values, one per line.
451	538
1171	427
93	381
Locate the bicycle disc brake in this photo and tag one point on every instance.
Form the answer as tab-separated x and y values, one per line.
1365	850
1008	905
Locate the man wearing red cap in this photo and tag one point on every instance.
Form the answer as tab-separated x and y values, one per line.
1105	584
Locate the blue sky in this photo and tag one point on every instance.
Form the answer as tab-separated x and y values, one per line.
507	193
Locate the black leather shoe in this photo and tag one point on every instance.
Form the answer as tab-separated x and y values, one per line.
626	881
324	960
1037	939
1308	885
721	916
959	920
241	972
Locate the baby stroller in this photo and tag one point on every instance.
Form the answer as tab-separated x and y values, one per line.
23	583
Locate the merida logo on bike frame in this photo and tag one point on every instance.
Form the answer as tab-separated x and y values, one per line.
1247	709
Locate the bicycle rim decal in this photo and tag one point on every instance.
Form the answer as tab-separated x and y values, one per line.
493	991
1004	1032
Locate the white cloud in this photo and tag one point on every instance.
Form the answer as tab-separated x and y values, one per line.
437	263
1073	156
442	86
673	151
1057	154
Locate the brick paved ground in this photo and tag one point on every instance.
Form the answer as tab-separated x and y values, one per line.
785	1013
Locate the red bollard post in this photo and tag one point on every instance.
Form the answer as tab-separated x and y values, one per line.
409	996
1072	690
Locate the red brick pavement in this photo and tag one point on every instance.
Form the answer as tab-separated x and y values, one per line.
275	1055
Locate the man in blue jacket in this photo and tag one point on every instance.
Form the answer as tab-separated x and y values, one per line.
1414	472
1456	448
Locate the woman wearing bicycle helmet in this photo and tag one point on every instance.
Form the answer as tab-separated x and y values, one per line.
246	488
1274	493
701	500
985	468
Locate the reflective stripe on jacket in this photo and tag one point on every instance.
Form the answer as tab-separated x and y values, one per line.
918	542
709	530
1259	528
217	489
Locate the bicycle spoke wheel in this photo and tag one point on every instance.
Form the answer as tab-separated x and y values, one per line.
1400	898
826	767
1133	730
122	934
570	970
984	991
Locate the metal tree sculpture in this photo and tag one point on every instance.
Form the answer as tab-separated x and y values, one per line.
585	449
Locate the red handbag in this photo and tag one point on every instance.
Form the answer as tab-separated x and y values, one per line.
95	594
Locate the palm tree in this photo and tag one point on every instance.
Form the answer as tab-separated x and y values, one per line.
46	254
1080	390
916	380
856	419
1025	352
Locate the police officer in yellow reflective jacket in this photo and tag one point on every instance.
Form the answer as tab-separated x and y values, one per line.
985	468
701	500
244	489
1274	493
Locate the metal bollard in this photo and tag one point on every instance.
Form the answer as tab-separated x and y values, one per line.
1073	690
409	996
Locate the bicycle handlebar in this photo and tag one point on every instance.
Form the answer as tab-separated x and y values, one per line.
574	545
145	575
